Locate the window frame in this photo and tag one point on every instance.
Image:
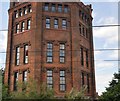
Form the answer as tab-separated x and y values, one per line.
25	74
26	57
46	7
66	9
53	8
20	12
62	82
16	14
17	29
49	53
15	81
82	79
64	24
23	26
87	58
59	8
82	56
28	24
88	83
49	79
62	52
25	11
56	23
17	56
29	8
48	23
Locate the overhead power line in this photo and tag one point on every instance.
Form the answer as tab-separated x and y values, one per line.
65	62
71	50
115	25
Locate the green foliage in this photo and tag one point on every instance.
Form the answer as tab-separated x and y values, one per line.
31	91
74	94
113	91
5	94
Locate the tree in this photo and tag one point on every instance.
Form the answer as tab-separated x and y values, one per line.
31	91
113	91
3	88
74	94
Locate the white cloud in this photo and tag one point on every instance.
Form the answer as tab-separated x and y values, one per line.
102	82
107	20
109	34
114	54
97	53
102	66
3	40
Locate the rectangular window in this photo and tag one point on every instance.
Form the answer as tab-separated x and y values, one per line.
25	10
86	33
62	80
20	12
17	28
53	8
49	79
62	53
24	76
64	24
80	13
88	84
46	7
47	22
59	8
83	29
80	28
56	23
28	24
15	80
83	16
22	26
87	58
82	79
49	52
81	56
17	57
29	9
66	9
26	54
16	14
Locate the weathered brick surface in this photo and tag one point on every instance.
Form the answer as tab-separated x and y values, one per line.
38	36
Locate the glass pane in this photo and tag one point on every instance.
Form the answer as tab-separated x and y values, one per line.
49	86
47	20
49	72
62	73
66	9
62	87
49	45
46	6
62	53
53	8
49	53
59	8
62	46
62	59
47	25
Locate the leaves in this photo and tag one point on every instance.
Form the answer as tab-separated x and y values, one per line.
113	91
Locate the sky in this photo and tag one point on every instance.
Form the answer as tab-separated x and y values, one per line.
104	13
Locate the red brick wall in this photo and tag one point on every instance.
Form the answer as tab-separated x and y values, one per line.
37	38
